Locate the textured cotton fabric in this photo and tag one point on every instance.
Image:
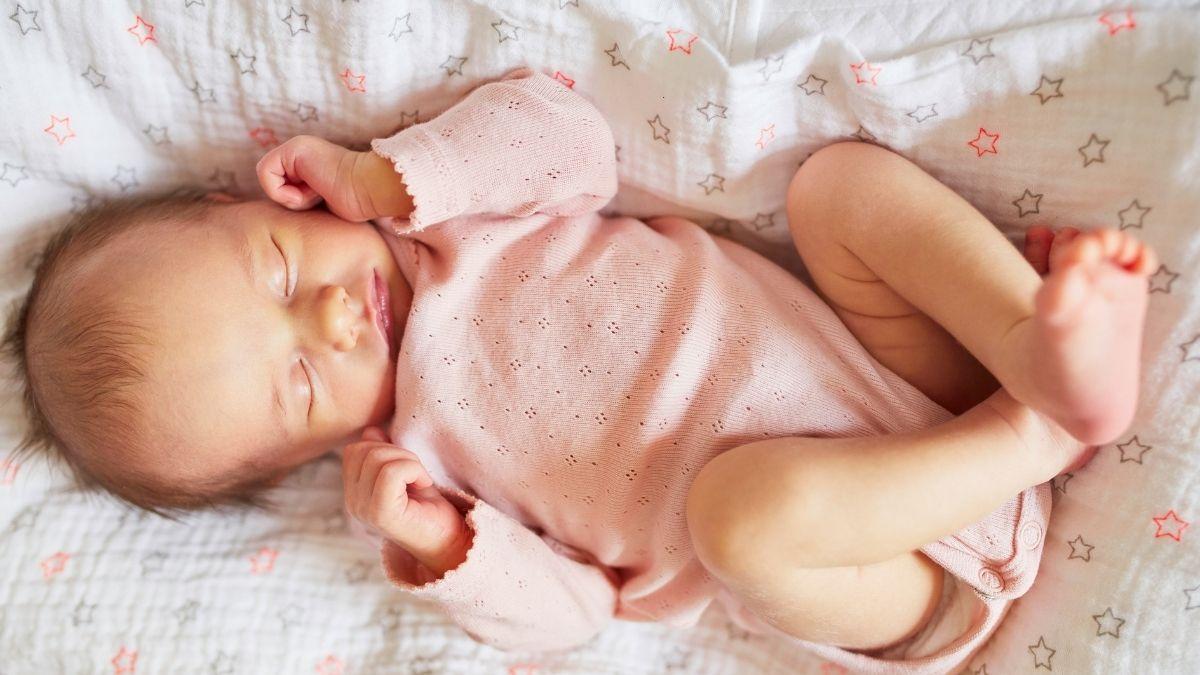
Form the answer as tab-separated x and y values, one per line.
565	375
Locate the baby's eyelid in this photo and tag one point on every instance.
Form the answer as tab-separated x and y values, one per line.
288	288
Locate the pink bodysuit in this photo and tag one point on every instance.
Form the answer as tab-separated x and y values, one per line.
564	376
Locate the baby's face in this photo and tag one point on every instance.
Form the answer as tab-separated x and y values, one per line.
268	352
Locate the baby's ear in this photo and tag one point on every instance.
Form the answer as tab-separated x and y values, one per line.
221	197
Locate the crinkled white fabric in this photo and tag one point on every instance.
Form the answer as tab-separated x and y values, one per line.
711	129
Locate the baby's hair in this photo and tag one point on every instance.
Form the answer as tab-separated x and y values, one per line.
87	358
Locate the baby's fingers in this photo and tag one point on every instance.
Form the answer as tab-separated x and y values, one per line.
354	456
375	460
295	173
388	498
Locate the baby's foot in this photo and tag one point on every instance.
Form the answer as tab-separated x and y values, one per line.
1057	451
1086	334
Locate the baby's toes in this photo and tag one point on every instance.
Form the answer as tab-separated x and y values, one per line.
1147	264
1088	249
1136	257
1038	240
1062	243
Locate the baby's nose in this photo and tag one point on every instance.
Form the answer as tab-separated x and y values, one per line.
340	318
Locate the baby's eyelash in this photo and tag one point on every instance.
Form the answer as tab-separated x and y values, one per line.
287	272
312	394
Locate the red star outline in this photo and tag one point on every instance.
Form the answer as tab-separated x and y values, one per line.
558	75
872	69
54	565
763	138
330	665
359	84
125	661
8	471
263	561
676	47
991	146
1114	28
1170	516
148	36
264	136
53	128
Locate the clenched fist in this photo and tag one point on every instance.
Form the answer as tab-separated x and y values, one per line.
356	186
388	489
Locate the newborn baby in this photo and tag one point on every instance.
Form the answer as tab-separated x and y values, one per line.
590	416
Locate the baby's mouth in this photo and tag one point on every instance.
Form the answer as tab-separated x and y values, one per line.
384	321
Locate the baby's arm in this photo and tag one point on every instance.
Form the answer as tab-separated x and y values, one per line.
524	144
356	186
502	583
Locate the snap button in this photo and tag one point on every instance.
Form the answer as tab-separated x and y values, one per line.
991	580
1031	534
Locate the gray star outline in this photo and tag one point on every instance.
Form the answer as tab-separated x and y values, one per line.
720	111
762	221
923	112
656	124
1047	82
453	65
502	34
397	31
1037	650
712	182
125	177
1167	87
20	15
156	134
1136	207
1193	601
811	87
1191	349
95	77
771	65
1161	280
13	174
203	95
614	55
306	112
1133	450
1023	206
975	54
1105	623
295	15
1088	157
1086	556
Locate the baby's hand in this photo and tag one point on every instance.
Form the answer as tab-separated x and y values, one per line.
388	489
356	186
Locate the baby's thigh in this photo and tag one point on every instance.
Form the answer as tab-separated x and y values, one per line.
862	608
893	331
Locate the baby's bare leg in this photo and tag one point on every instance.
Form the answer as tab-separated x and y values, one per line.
819	537
911	267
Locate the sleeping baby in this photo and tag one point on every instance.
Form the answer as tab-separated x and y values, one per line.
549	417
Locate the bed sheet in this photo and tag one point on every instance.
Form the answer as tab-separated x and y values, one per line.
1066	113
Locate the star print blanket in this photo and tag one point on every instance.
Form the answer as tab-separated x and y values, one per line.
1069	113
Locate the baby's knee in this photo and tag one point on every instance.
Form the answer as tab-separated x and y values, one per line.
742	525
